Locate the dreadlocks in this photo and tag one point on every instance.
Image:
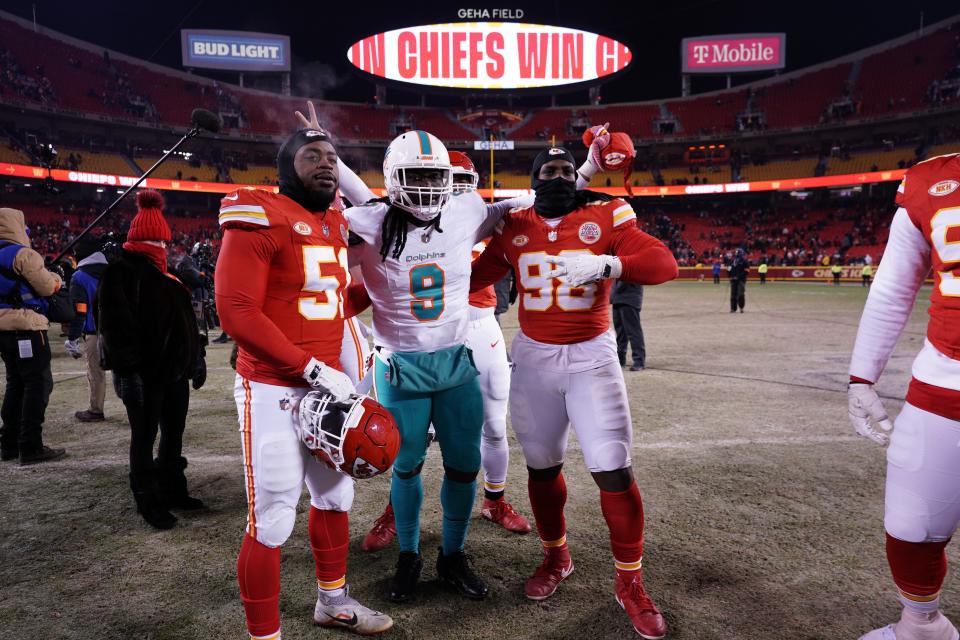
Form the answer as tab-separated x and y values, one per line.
393	232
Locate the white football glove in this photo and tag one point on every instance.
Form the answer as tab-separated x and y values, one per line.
580	268
74	348
327	379
864	405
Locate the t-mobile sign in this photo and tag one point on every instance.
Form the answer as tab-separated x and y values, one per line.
734	53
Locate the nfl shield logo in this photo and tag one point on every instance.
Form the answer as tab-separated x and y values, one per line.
552	235
326	230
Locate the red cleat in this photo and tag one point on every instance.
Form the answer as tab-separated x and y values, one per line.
382	533
556	566
501	512
630	594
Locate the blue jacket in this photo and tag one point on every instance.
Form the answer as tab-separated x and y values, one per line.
15	292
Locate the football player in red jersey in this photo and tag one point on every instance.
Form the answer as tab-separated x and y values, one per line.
282	294
922	507
564	250
490	356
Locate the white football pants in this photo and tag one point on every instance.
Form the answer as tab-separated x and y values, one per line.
485	340
555	385
922	502
276	464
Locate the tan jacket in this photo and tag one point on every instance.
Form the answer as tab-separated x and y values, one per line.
29	264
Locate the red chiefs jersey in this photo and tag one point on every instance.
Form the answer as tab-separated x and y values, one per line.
551	311
930	193
484	298
280	282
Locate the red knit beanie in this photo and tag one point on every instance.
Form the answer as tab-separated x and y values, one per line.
149	223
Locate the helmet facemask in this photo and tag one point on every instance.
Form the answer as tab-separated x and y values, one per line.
324	423
464	181
422	190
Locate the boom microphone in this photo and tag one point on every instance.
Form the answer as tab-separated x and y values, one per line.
206	120
200	120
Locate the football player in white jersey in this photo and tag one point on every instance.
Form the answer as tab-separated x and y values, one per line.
490	356
922	502
417	275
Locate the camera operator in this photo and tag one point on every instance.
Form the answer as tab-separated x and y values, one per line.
24	344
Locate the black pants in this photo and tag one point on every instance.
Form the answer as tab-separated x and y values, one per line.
151	406
866	281
738	294
716	278
836	279
29	383
626	322
763	278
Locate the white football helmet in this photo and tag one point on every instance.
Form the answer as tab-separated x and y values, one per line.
417	150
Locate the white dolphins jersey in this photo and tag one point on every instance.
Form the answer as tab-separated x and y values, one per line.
421	301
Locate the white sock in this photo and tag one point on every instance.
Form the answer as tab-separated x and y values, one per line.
494	456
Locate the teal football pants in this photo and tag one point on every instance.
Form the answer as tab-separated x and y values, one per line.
457	417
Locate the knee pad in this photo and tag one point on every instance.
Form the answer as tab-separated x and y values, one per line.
406	475
456	475
335	496
494	432
276	524
544	475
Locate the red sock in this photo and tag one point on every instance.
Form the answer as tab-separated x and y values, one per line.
258	572
623	511
329	539
547	498
918	568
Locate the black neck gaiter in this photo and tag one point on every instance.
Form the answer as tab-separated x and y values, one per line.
556	197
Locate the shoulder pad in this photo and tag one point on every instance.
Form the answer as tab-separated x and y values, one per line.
245	209
921	181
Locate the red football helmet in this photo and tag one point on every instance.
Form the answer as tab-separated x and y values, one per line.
616	152
465	176
357	436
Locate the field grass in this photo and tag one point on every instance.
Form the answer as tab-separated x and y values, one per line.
763	510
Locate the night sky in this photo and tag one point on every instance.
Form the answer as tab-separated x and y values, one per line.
321	31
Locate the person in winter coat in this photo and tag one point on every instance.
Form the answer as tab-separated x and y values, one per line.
24	345
150	340
82	335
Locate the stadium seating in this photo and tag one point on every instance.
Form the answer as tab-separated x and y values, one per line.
13	156
170	168
254	174
84	78
96	162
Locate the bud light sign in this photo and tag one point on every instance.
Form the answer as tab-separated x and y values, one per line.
734	53
235	50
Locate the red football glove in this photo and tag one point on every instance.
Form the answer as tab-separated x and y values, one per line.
597	138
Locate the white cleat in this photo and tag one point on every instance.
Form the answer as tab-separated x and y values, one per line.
916	627
345	612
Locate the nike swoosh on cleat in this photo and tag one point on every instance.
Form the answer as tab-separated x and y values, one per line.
350	622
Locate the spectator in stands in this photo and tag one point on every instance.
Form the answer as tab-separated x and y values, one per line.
627	300
24	345
152	344
82	336
739	269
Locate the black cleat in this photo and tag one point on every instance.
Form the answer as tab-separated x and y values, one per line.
405	579
455	570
